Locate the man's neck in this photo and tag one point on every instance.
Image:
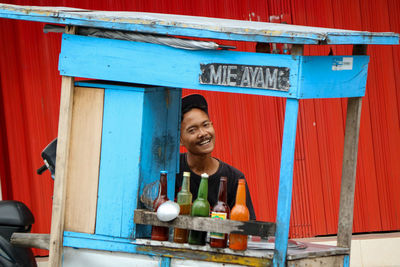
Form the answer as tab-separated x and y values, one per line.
202	164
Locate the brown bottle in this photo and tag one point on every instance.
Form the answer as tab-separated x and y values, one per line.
239	213
220	211
158	232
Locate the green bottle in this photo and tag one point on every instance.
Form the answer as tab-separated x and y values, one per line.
200	208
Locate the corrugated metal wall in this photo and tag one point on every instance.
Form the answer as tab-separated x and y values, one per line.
249	128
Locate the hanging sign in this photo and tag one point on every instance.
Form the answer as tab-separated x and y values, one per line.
248	76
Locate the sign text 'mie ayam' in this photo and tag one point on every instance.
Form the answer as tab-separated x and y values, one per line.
249	76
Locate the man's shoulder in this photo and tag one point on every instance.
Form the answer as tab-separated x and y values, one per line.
230	170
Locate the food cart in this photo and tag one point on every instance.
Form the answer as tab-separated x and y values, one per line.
119	127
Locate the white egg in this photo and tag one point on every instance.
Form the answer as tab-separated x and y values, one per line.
168	211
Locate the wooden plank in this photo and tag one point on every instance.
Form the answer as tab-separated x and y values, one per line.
198	255
84	56
84	160
204	27
346	207
120	159
333	76
176	250
263	229
336	261
101	242
160	141
29	240
313	250
64	130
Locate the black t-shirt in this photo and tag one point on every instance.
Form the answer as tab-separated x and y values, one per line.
232	174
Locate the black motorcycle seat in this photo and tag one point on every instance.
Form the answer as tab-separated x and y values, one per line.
15	213
11	256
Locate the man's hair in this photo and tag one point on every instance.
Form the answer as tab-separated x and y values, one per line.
193	101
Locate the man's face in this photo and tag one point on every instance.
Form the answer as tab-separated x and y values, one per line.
197	132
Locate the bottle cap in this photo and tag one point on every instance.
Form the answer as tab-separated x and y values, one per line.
186	173
163	172
204	175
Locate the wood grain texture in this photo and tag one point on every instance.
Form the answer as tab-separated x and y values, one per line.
30	240
84	160
206	256
346	206
263	229
350	152
64	130
319	261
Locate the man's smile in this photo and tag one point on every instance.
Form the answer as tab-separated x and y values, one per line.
205	141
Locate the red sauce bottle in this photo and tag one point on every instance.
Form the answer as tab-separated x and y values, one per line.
158	232
239	213
220	211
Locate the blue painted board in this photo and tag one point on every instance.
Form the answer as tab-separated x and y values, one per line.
346	261
285	183
107	59
191	32
140	138
333	76
195	26
159	65
98	242
112	85
119	162
165	262
160	141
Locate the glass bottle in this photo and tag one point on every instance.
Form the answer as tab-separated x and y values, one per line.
158	232
184	199
239	213
220	211
200	208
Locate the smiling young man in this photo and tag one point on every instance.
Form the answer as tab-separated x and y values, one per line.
198	137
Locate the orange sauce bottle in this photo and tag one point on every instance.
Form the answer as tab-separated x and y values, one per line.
239	213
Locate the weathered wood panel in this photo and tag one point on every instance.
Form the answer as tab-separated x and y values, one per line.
30	240
263	229
336	261
84	160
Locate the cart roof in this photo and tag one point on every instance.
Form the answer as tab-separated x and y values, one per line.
196	26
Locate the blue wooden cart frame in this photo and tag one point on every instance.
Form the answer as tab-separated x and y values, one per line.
163	66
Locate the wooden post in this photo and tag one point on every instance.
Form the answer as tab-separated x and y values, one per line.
64	130
286	176
345	225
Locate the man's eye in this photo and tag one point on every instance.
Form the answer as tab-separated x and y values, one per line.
191	130
206	124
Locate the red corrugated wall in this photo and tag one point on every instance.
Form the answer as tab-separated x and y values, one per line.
249	128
